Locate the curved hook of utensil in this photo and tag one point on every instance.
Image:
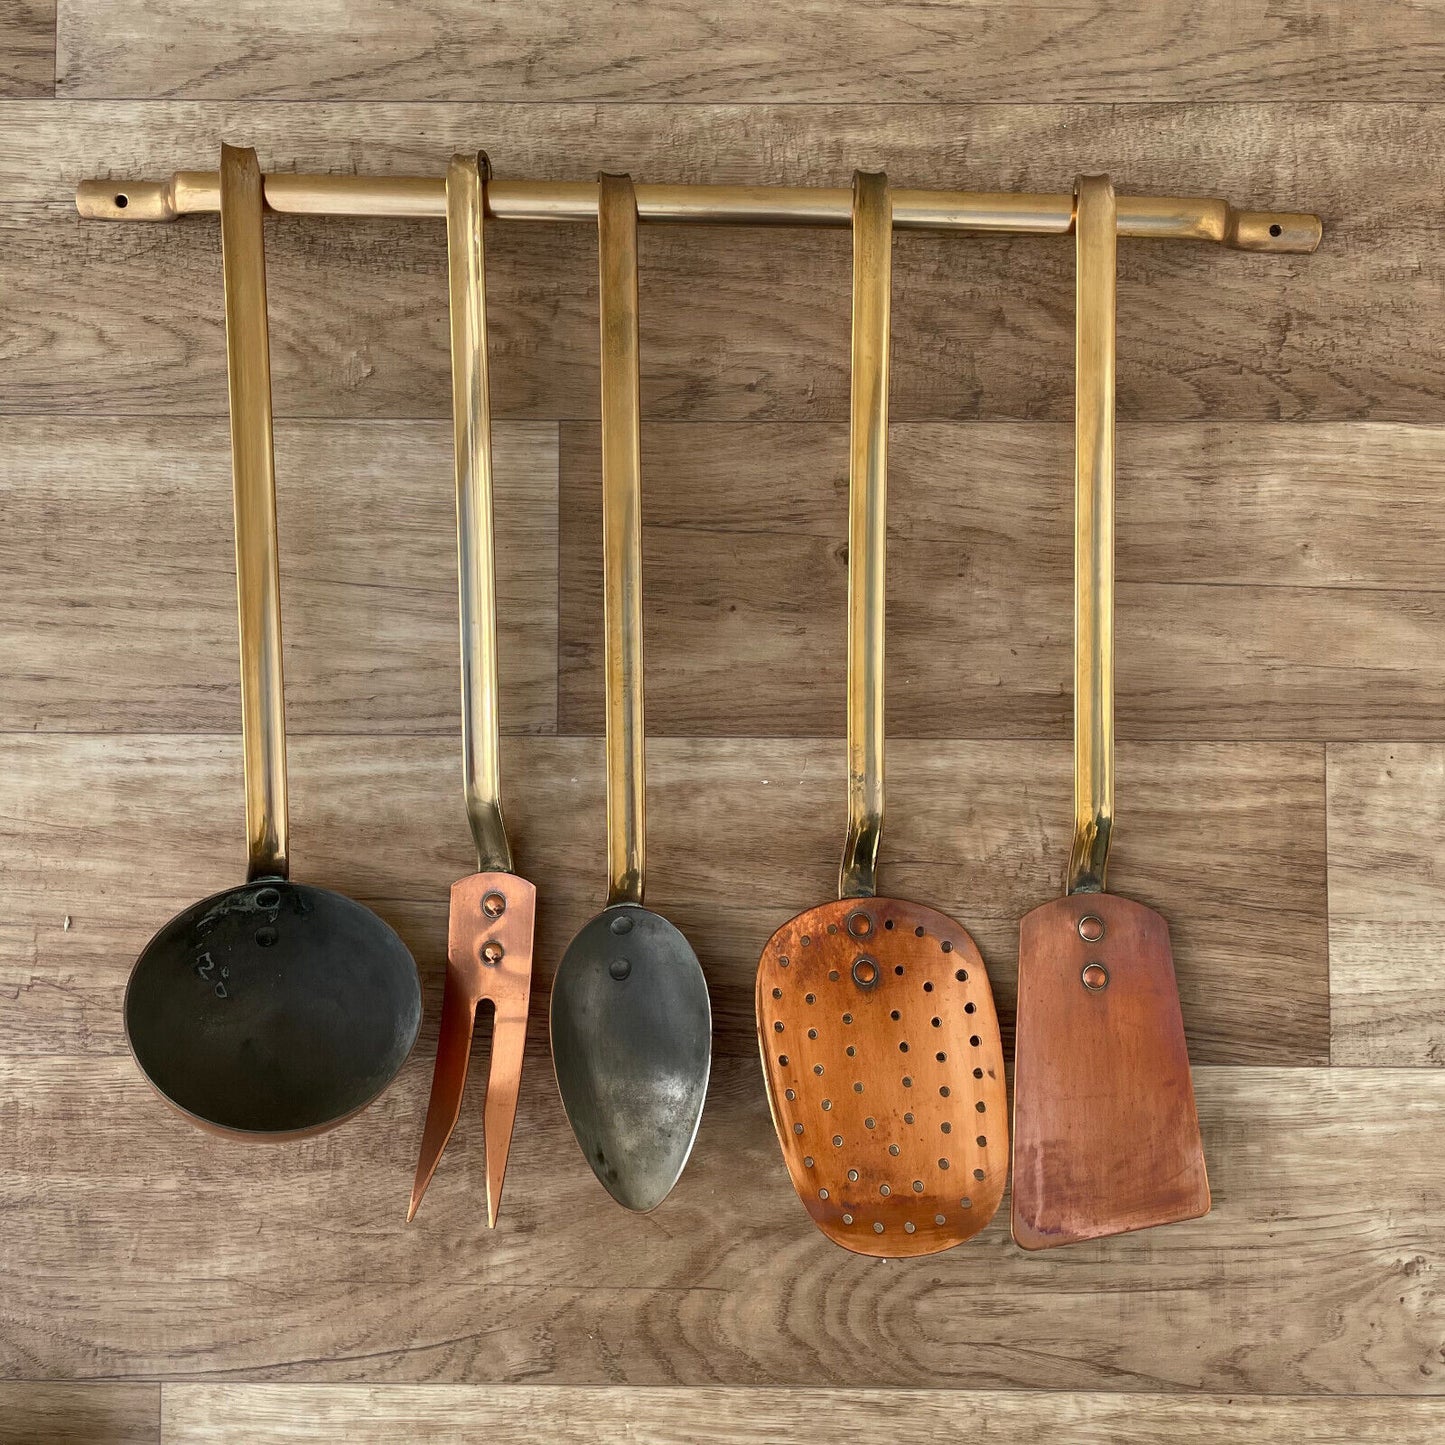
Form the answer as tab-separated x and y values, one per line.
1095	249
867	529
253	480
467	178
622	535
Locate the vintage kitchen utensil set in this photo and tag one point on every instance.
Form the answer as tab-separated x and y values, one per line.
278	1009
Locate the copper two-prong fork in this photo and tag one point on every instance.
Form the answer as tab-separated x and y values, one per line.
489	943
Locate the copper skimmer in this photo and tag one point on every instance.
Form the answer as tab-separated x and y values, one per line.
1106	1137
489	943
876	1021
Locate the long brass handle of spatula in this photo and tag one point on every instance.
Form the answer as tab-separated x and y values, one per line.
867	529
253	484
1096	245
476	565
622	535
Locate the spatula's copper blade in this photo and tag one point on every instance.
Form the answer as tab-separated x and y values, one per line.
1106	1138
489	959
885	1074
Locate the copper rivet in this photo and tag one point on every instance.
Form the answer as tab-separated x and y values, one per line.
1091	928
492	952
865	972
494	905
860	925
1095	976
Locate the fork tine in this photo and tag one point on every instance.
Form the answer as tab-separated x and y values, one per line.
493	921
509	1040
449	1080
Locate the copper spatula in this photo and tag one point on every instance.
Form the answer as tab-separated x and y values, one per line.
1106	1137
489	944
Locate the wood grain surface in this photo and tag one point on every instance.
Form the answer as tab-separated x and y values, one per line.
450	1415
1316	1272
1240	611
48	1413
1387	903
670	50
27	48
123	599
1281	772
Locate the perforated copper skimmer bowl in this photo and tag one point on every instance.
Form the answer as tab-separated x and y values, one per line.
880	1044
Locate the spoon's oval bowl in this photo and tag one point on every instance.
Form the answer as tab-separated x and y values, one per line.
632	1047
273	1010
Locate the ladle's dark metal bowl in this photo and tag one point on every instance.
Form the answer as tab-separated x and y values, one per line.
632	1045
273	1010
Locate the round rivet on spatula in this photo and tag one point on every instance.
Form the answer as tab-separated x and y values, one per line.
494	905
621	924
619	968
1091	928
1095	977
491	953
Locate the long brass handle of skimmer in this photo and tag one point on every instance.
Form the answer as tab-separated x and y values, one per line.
622	535
1096	245
867	529
253	481
467	178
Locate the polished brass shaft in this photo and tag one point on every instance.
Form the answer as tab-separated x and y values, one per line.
476	568
867	530
1180	218
253	480
622	536
1094	326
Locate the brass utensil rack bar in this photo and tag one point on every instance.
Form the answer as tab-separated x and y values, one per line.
1171	218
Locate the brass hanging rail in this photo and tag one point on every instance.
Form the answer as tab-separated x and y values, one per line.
1174	218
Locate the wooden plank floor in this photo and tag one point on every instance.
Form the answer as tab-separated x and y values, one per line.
1281	633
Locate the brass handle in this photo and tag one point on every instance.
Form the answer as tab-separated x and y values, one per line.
621	535
1095	251
467	178
253	481
867	529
